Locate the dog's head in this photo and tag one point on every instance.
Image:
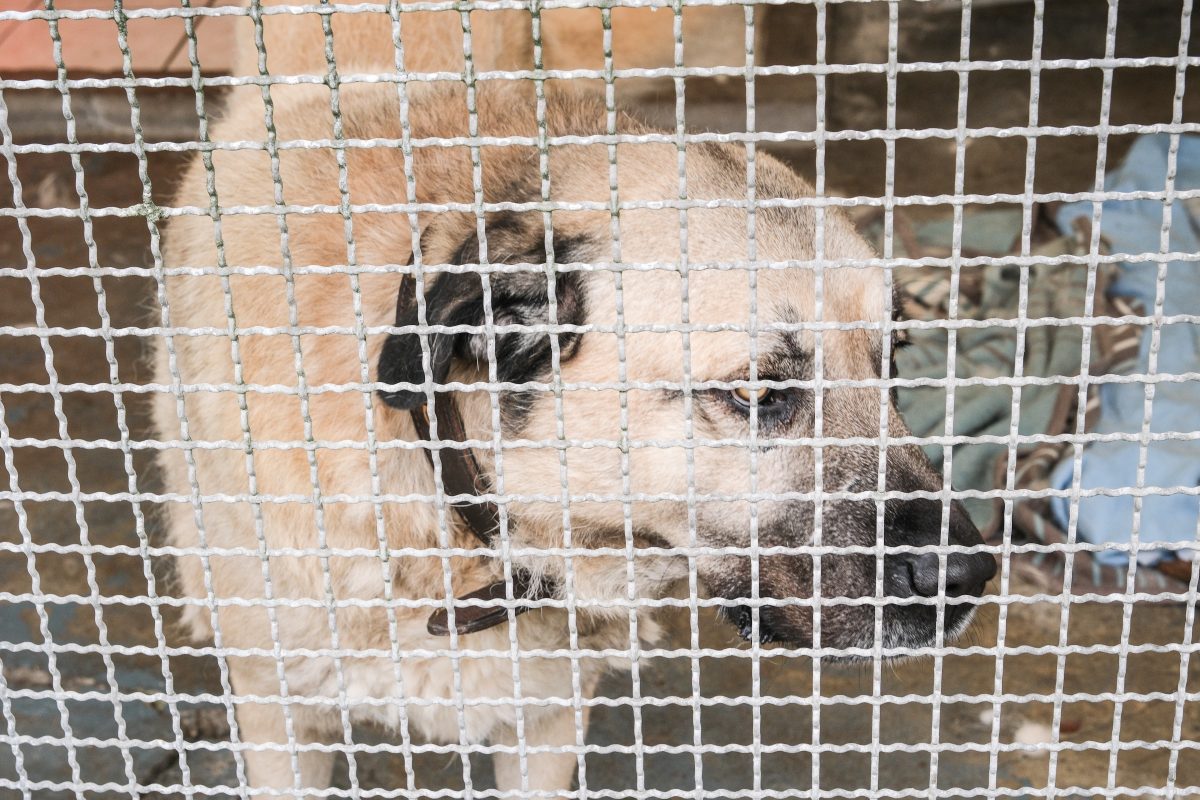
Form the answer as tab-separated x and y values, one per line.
682	400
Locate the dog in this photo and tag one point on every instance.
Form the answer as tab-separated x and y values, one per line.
323	365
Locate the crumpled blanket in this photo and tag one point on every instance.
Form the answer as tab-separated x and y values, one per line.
1135	227
1050	363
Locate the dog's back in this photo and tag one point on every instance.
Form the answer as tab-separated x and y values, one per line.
501	39
373	42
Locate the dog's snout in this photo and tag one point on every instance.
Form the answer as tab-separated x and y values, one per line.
924	573
966	573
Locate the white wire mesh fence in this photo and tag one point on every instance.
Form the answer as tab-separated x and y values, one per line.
421	325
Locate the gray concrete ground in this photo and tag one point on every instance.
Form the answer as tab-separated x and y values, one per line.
132	745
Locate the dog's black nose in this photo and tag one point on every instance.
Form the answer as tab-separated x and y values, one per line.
966	573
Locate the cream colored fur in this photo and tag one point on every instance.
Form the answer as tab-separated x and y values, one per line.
305	438
572	38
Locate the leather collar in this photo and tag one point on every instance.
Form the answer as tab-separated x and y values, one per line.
461	475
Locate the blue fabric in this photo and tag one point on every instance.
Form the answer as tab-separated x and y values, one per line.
1135	226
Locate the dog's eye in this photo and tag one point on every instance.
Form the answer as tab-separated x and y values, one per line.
745	396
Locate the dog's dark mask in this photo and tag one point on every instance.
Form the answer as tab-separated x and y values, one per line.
915	581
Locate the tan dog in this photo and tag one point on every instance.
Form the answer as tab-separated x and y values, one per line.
311	560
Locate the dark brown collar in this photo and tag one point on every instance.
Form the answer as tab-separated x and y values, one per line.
461	475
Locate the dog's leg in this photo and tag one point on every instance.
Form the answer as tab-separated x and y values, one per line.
265	723
547	772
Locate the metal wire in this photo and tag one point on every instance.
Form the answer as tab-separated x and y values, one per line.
118	703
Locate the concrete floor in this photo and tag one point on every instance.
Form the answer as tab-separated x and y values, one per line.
1151	680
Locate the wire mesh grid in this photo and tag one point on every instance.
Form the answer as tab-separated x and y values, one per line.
1076	679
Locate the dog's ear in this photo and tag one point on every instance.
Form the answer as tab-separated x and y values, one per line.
456	299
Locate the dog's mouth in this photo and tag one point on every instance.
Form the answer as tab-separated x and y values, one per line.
742	618
909	629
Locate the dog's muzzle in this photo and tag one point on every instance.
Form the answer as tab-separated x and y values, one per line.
930	582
